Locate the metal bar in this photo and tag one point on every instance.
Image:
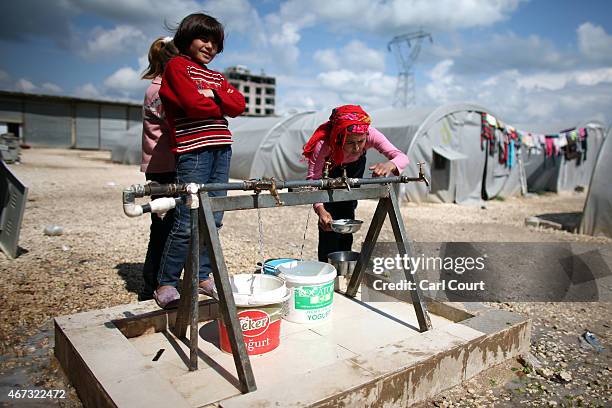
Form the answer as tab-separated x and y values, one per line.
182	314
404	247
188	306
320	183
194	296
227	306
268	184
367	248
247	202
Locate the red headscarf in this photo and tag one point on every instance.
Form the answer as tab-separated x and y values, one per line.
334	131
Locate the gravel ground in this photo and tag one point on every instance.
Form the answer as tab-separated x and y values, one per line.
96	263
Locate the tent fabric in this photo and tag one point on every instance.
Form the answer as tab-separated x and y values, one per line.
558	174
597	214
272	147
449	153
126	145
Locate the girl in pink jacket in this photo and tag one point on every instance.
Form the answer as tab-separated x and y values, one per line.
158	162
342	143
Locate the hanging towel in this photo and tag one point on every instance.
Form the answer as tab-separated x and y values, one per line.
492	121
550	146
510	158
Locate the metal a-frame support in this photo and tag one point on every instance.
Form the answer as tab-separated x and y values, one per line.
387	205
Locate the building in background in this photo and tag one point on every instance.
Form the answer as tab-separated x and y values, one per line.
62	121
259	90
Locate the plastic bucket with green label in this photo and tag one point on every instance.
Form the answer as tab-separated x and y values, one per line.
312	290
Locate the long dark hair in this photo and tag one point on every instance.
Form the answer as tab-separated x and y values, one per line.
198	25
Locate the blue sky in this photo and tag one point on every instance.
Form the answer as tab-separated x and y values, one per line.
537	62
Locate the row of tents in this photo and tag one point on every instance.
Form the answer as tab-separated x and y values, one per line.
448	139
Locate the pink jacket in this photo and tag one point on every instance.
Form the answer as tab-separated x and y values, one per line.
375	139
156	154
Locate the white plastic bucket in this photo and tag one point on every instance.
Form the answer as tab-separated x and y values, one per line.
259	302
312	291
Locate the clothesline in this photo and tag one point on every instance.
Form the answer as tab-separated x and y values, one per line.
507	143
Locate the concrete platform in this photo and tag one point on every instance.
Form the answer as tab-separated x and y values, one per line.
370	353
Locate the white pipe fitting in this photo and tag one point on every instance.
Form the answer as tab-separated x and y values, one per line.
132	210
163	204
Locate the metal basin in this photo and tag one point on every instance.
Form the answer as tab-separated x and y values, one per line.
344	262
346	226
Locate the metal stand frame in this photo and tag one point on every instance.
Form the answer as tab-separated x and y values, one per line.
206	232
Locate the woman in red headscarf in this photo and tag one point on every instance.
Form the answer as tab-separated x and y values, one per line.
341	143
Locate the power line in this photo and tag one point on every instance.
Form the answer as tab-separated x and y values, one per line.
406	48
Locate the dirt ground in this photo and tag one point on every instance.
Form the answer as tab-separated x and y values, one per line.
96	263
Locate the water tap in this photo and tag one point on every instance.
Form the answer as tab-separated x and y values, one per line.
345	179
422	174
326	169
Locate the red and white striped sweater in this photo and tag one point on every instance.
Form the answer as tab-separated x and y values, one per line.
197	121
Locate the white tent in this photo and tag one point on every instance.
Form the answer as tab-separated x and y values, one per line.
126	145
597	214
558	174
446	138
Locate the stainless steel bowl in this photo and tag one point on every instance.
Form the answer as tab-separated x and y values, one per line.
346	226
344	262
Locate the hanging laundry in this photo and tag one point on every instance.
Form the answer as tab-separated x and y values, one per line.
511	153
487	133
573	135
491	120
584	145
551	149
571	150
542	140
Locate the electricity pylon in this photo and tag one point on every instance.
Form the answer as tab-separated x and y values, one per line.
406	48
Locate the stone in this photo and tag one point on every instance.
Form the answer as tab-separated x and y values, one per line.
545	372
565	376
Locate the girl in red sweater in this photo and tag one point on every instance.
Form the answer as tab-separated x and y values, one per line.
196	101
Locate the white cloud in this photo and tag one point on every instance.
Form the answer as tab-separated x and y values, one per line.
443	87
125	82
527	100
24	85
558	81
594	42
370	88
396	15
238	16
327	59
119	40
88	91
49	87
356	55
138	11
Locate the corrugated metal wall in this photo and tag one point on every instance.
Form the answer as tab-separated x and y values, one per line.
135	116
62	122
48	123
87	126
10	110
114	123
